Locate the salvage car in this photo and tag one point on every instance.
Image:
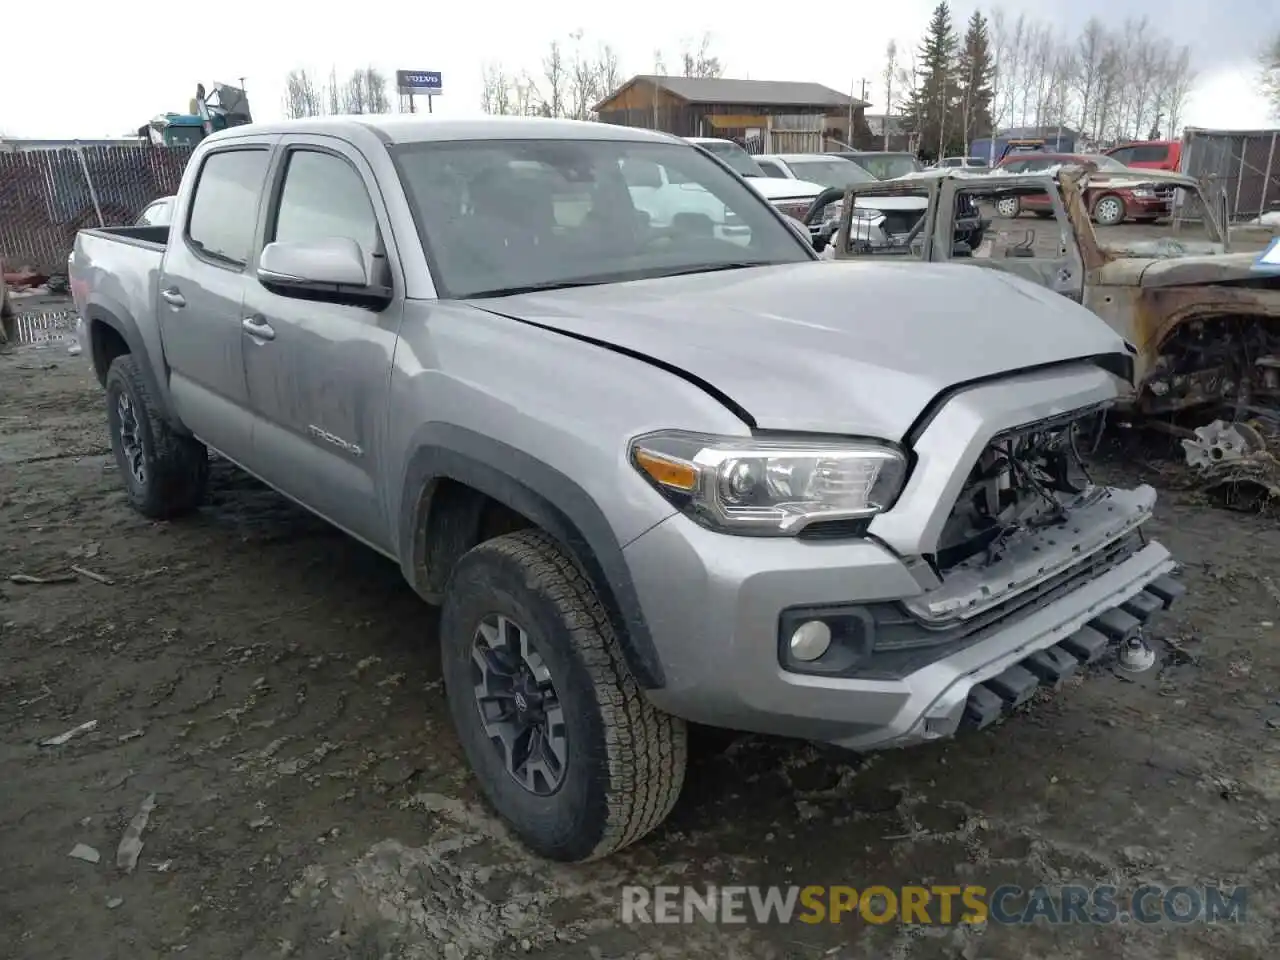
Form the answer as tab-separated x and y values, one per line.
1109	200
652	476
1205	324
814	167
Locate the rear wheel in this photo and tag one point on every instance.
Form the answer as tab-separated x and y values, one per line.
164	472
562	740
1108	210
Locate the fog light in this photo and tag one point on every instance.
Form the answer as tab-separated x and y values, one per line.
810	640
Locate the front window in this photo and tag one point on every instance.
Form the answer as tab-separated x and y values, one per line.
888	166
832	172
502	216
156	215
183	136
1104	162
733	155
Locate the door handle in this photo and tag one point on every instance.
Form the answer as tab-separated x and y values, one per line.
258	328
173	297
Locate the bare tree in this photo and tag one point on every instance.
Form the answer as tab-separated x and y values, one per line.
1175	86
610	69
355	98
1270	63
496	92
333	92
890	70
375	91
700	62
555	85
301	96
1091	49
584	80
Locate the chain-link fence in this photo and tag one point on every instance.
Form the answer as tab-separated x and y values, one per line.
47	195
1242	165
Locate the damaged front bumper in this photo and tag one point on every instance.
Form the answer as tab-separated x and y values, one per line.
914	655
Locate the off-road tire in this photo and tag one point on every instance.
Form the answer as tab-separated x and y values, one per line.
1107	221
626	759
176	466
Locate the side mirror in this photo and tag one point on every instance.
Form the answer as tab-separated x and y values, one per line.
331	268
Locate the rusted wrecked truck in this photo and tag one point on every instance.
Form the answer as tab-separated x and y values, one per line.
1204	321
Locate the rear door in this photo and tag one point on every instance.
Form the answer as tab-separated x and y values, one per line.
318	372
201	287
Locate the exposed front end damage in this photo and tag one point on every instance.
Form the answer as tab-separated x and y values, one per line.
1027	514
1206	325
1209	372
1029	533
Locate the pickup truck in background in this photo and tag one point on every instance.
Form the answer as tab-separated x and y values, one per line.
652	474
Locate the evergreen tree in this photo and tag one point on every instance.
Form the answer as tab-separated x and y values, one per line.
932	107
974	75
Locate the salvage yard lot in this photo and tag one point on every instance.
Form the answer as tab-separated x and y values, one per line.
276	687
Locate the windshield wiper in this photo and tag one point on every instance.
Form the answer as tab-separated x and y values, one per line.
534	288
713	268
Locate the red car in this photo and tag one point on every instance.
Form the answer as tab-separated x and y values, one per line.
1149	154
1108	203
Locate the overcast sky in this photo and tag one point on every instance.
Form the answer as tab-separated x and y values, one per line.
114	66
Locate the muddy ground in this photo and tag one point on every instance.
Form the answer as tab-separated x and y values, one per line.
276	687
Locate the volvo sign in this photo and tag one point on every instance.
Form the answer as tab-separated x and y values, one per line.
410	82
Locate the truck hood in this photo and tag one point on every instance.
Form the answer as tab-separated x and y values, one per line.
830	347
1178	271
778	188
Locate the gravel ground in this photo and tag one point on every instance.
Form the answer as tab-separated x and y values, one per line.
276	688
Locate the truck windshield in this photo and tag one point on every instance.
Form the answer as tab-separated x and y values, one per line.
830	172
734	156
502	216
888	166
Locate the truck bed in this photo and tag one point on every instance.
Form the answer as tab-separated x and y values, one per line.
152	237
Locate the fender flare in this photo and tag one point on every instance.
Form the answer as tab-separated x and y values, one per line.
113	315
549	499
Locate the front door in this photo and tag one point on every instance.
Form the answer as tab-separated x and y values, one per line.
200	292
319	373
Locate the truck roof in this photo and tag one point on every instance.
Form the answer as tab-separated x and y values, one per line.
413	128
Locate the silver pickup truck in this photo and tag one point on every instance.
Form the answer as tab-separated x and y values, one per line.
653	473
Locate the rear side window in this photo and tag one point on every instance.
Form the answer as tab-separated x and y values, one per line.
224	210
323	197
1150	154
1124	155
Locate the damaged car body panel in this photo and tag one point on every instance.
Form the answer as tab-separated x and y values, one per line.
1204	323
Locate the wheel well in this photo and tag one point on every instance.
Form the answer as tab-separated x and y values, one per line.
107	345
458	517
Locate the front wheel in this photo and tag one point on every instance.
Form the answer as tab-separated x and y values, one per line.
164	472
1108	211
562	740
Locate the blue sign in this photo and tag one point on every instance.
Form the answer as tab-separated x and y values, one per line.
1269	259
419	81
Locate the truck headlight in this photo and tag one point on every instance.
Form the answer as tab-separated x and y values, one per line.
770	486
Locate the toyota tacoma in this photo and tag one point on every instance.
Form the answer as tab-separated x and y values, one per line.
654	473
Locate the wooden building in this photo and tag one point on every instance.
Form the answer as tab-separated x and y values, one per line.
765	116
